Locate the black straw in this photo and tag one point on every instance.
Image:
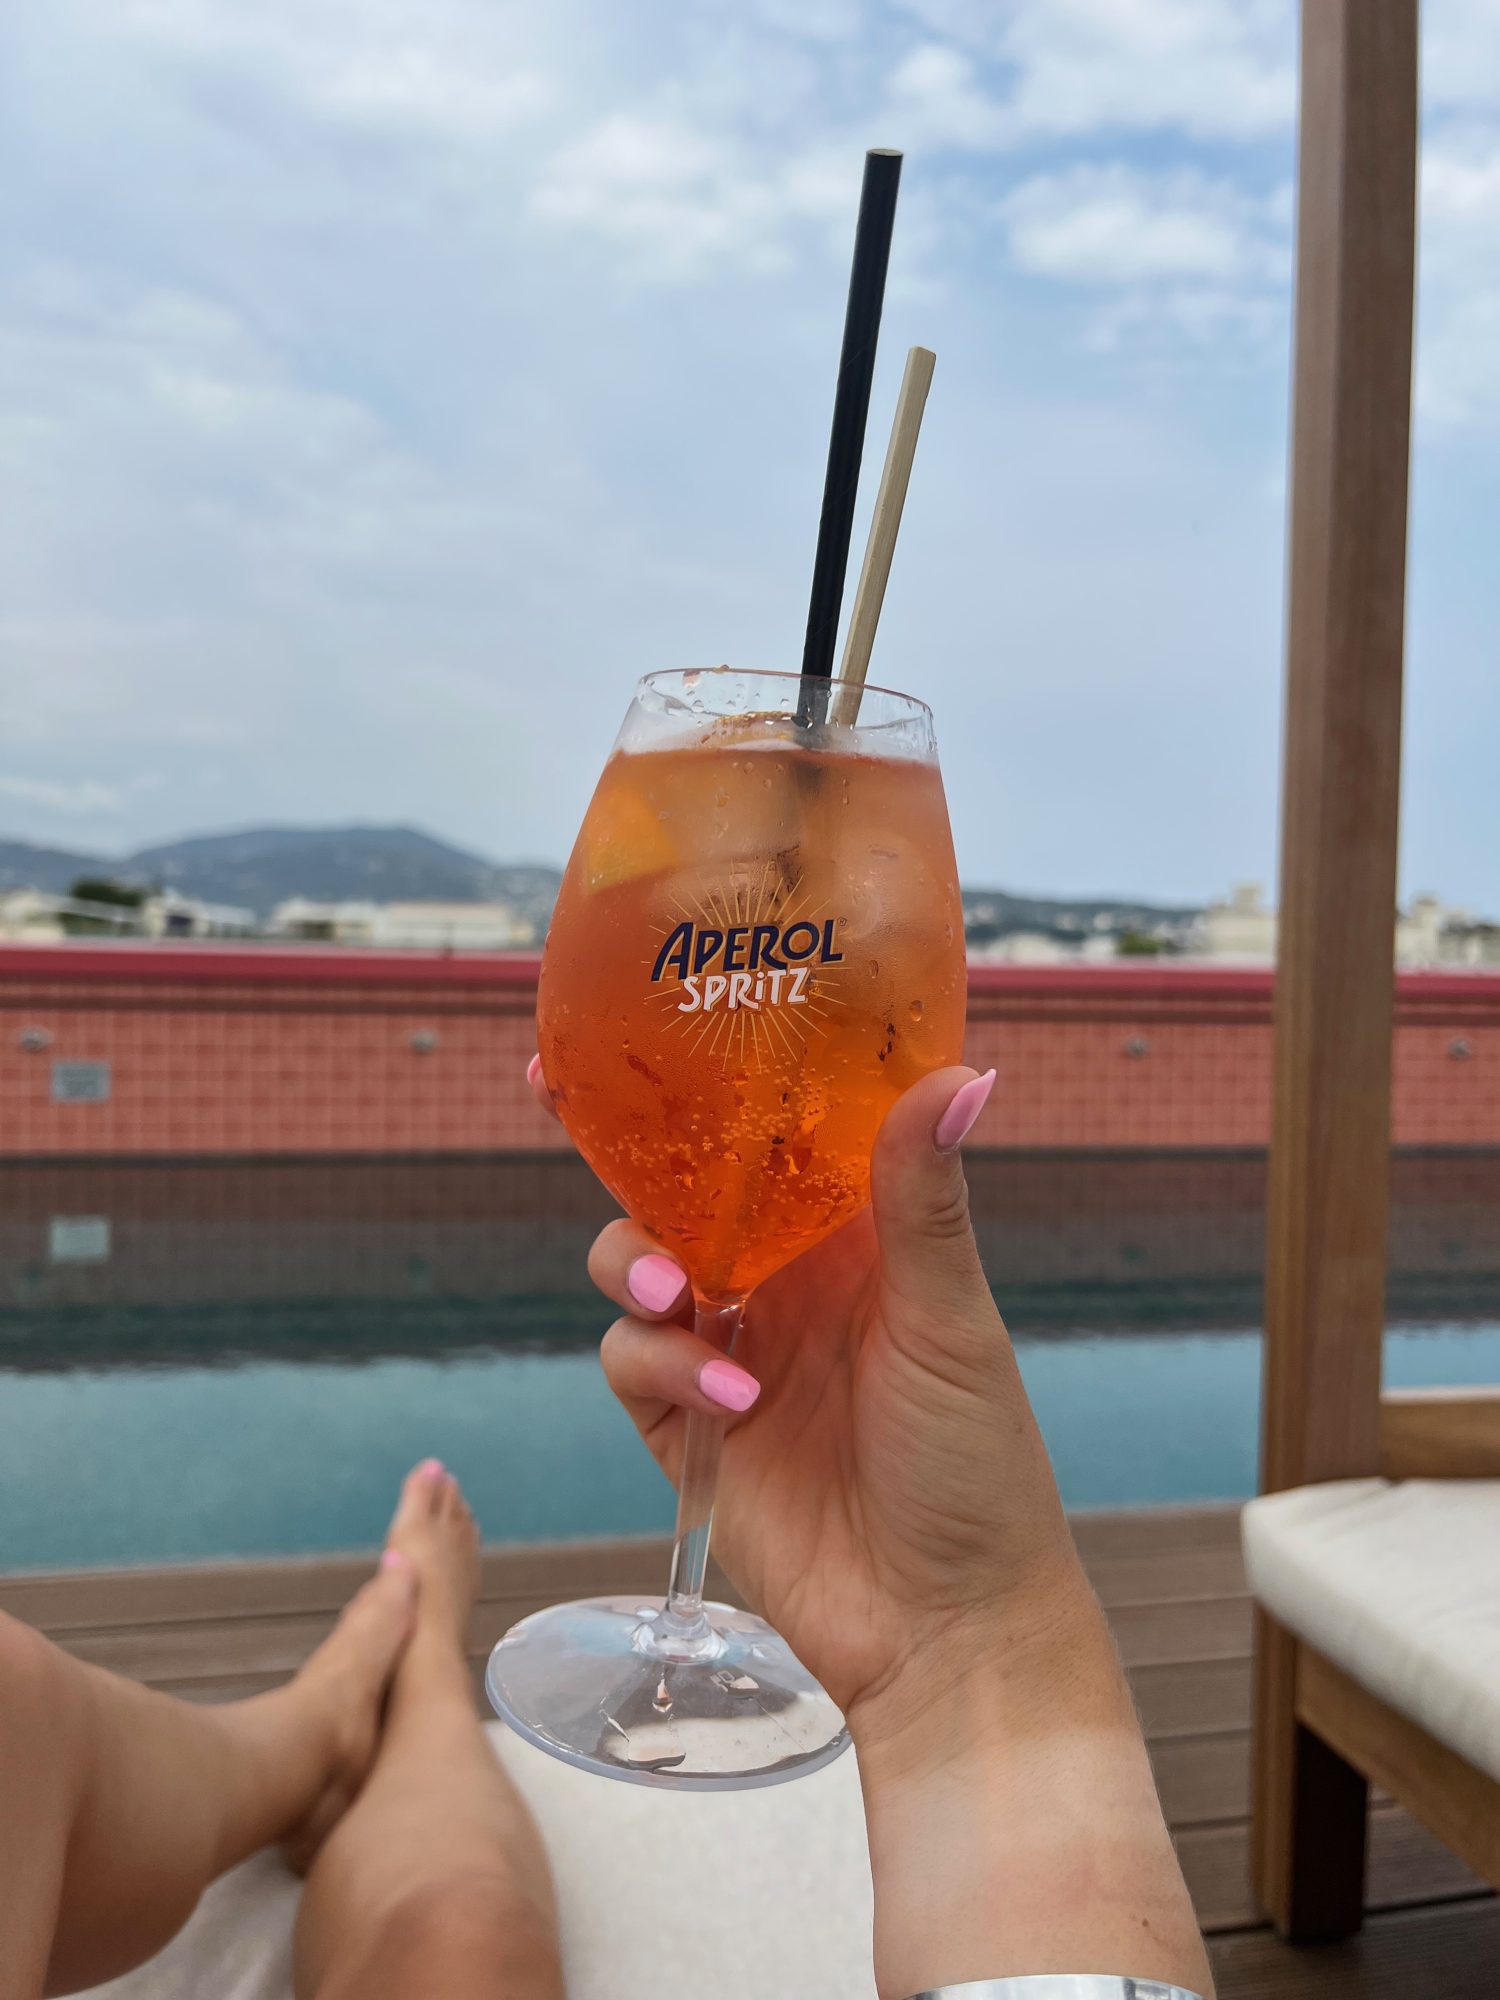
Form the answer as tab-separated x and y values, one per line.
851	406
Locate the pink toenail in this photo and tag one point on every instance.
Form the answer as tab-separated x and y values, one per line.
393	1559
430	1468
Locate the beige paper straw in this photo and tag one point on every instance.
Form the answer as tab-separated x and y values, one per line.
884	523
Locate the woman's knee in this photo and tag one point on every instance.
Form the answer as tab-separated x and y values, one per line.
43	1707
464	1932
41	1758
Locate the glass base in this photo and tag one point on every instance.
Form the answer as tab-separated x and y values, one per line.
607	1685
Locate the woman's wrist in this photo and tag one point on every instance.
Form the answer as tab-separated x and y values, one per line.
1013	1821
969	1675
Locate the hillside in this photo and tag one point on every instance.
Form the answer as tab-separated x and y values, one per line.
258	867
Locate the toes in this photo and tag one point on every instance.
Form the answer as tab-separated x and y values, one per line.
421	1494
430	1497
462	1516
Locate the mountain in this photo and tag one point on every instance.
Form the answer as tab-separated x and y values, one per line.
259	867
52	869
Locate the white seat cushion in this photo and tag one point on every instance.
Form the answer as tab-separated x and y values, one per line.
1400	1586
734	1894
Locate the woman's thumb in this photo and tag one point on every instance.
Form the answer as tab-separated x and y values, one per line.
921	1202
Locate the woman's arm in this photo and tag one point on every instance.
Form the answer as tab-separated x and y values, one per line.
1013	1820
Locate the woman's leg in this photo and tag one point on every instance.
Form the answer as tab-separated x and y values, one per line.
434	1882
119	1805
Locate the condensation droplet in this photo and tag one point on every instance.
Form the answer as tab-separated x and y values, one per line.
915	1010
872	966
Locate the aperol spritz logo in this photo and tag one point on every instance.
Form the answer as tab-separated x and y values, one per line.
749	978
745	965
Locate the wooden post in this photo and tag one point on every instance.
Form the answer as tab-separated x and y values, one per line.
1327	1200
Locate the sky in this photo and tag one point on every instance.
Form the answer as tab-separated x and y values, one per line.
386	384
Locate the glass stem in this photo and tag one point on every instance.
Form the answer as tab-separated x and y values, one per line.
718	1322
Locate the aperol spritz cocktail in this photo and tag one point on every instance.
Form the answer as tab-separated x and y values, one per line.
758	946
756	949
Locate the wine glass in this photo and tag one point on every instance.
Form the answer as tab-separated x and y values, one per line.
757	947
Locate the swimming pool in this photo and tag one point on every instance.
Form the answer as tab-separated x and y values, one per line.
201	1361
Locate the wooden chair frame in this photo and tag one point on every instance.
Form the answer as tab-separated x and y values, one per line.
1320	1739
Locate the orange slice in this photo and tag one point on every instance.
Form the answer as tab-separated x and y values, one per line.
626	840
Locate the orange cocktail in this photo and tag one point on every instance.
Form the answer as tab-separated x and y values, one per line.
757	947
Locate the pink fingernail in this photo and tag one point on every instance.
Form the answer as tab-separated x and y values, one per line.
655	1283
957	1121
393	1559
533	1070
430	1468
727	1385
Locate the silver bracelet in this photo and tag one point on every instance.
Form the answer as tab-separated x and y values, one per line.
1059	1986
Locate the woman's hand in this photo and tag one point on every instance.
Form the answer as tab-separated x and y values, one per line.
885	1499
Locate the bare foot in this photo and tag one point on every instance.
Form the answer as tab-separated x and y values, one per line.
426	1583
339	1695
433	1528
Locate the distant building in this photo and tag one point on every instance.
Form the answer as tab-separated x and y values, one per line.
171	915
452	926
323	923
1022	948
1428	932
1243	929
31	916
1467	942
406	926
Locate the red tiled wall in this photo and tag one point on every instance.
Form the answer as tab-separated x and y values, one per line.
252	1052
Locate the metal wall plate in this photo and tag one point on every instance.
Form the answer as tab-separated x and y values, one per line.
80	1083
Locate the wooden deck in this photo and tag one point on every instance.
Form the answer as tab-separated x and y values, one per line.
1170	1580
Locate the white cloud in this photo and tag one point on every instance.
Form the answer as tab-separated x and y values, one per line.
1114	224
677	201
661	188
1461	55
1179	256
813	20
937	99
449	69
1458	321
63	795
1209	68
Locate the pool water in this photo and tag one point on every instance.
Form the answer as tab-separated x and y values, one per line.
212	1361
